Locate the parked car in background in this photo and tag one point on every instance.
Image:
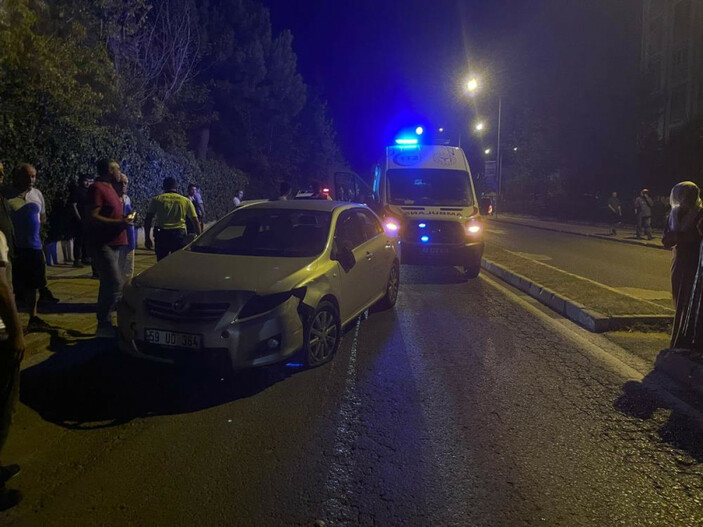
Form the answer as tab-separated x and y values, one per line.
268	280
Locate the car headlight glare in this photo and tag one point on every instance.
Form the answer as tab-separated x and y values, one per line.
473	228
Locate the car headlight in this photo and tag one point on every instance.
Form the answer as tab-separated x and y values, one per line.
474	228
260	304
391	225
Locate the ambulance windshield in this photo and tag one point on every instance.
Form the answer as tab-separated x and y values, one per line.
429	187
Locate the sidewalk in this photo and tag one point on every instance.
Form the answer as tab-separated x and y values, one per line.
74	317
626	234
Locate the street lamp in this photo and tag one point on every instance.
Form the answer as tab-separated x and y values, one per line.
419	130
480	126
472	85
487	151
515	149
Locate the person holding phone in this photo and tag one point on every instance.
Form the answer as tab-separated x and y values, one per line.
107	233
126	257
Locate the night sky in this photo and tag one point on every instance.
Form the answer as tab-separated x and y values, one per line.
383	64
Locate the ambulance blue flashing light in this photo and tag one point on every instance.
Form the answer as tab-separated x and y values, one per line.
406	141
424	239
419	130
422	225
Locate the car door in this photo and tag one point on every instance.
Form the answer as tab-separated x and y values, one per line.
379	250
356	283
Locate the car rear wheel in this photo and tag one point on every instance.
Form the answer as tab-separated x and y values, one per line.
323	333
392	288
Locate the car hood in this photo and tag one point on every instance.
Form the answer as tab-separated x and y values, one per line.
187	270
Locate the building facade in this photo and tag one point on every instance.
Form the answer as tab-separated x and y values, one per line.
672	58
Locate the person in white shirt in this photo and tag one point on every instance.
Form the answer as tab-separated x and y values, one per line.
35	196
238	197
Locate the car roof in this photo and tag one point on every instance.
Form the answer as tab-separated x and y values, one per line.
321	205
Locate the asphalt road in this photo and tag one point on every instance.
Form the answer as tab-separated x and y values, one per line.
637	269
462	406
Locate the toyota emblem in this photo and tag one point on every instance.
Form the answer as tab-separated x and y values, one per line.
180	305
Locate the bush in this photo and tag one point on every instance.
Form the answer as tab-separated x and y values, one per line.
144	162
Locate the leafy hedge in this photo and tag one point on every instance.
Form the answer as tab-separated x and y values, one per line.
62	160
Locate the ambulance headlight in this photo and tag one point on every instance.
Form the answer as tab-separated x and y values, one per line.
391	226
474	228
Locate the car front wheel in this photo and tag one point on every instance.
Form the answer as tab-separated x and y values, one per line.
323	333
392	288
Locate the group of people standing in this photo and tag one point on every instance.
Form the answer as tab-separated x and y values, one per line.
643	208
112	235
104	235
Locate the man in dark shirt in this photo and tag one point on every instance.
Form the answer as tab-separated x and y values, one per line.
614	213
106	234
78	211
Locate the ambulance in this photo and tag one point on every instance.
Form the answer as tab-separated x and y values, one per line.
426	195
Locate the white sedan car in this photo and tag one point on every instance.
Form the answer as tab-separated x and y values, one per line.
268	280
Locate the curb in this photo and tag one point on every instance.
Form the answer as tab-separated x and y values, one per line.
677	365
584	234
593	321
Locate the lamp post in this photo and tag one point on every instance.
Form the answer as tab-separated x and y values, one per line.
472	87
499	158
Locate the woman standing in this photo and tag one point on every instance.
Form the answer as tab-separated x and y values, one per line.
683	235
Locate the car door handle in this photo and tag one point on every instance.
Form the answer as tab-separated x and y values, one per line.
369	255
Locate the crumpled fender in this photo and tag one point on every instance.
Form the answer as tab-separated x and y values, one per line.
315	290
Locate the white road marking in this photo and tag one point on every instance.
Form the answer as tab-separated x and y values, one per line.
646	294
338	485
535	257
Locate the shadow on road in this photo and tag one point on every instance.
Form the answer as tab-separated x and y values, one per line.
68	307
432	275
88	384
680	430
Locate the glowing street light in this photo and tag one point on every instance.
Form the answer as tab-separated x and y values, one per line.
419	130
441	130
480	126
472	85
487	151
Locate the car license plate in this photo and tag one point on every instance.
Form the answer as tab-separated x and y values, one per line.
172	339
435	250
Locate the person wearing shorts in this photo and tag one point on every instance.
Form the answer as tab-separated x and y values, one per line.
29	266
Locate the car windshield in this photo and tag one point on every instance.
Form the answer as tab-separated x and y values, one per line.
267	232
429	187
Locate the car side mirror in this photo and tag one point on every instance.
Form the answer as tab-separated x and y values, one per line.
345	256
